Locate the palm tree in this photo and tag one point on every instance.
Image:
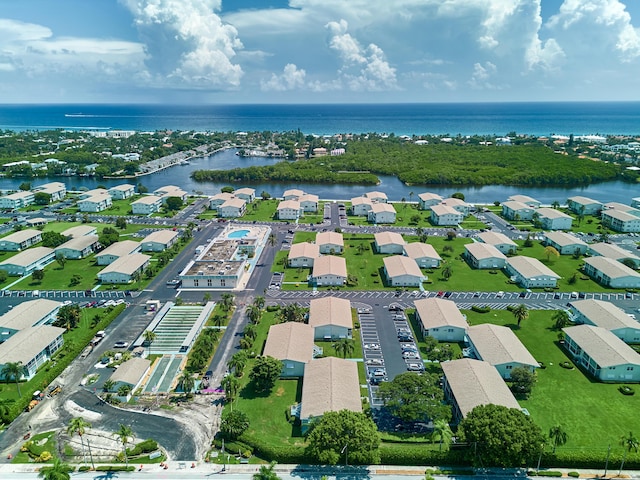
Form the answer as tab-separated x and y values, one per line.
521	312
272	239
13	370
442	430
206	298
108	385
231	386
124	390
78	425
629	443
187	383
555	204
227	301
292	313
411	194
237	363
266	473
124	433
558	435
57	471
561	319
149	337
344	347
361	248
254	313
259	302
447	272
251	331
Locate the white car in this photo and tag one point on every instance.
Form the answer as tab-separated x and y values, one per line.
372	346
375	361
411	355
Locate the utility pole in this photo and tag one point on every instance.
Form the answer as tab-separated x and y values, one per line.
539	459
93	467
606	464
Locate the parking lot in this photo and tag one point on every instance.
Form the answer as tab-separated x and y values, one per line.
62	294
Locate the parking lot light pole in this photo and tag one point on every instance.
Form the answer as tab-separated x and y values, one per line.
345	451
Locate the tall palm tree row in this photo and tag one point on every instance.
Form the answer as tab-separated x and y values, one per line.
78	426
149	337
13	370
124	433
57	471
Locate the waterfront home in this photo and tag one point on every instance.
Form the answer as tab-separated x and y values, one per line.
330	385
552	219
293	194
423	254
382	213
166	190
444	215
402	271
289	210
470	383
611	250
427	200
361	206
309	203
124	269
441	319
482	255
459	205
130	374
121	192
330	318
92	193
20	240
500	241
606	315
500	347
116	250
175	193
17	200
233	208
329	270
565	243
78	247
159	241
292	344
584	205
246	194
619	221
95	203
620	207
532	202
27	261
218	199
635	202
31	348
56	190
602	354
530	272
611	273
330	242
146	205
79	231
389	243
376	197
303	255
513	210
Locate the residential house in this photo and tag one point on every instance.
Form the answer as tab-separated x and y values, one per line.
292	344
500	241
124	269
427	200
170	191
530	272
565	243
500	347
635	202
309	203
611	250
552	219
441	319
130	374
292	194
423	253
17	200
619	221
330	243
382	213
470	383
57	190
32	347
608	316
376	197
458	205
234	208
77	248
95	204
602	354
303	255
609	272
330	318
389	243
27	261
444	215
20	240
246	194
116	250
402	271
532	202
289	210
329	270
330	385
28	314
621	207
219	198
92	193
361	206
37	221
584	205
482	255
80	231
146	205
122	192
517	211
159	241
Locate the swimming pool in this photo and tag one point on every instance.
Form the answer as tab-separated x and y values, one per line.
238	234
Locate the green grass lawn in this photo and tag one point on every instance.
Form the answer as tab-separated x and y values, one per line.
58	278
261	211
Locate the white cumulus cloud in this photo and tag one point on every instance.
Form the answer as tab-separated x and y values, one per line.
291	78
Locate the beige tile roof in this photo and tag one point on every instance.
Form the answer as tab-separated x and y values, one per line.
499	345
79	243
522	199
417	250
602	346
530	267
515	206
454	202
329	265
611	268
28	256
604	314
290	341
224	196
439	312
131	371
19	195
551	213
94	199
147	200
26	344
79	231
382	208
120	249
474	383
388	238
425	197
330	238
245	191
584	200
27	314
304	250
21	236
620	215
309	197
441	209
160	236
330	384
482	251
398	265
360	201
126	265
610	250
330	311
375	194
495	238
293	192
234	202
618	206
564	239
289	204
122	188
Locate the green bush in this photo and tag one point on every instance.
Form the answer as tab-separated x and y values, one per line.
574	474
115	468
84	468
147	446
481	309
626	390
567	365
273	308
548	473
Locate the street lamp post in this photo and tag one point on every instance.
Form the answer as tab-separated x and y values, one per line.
606	463
345	450
540	459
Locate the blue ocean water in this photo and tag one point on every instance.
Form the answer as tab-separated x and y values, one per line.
542	118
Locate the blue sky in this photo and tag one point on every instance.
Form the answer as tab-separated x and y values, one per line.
318	51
